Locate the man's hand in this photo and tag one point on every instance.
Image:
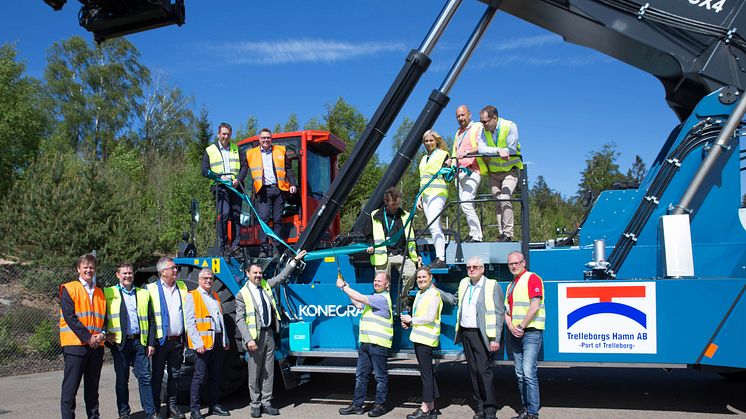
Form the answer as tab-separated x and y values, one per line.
200	350
494	346
406	319
293	189
227	346
150	351
517	331
251	346
111	337
93	341
235	183
300	255
340	281
504	154
419	204
370	249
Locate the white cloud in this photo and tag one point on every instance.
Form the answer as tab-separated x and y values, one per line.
527	42
301	51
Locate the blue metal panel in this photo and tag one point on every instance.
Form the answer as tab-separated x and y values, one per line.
730	341
229	274
610	214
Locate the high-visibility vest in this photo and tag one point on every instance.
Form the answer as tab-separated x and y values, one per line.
380	254
251	322
490	313
254	158
158	310
216	159
497	164
429	165
473	137
205	322
376	329
426	333
521	302
113	309
91	315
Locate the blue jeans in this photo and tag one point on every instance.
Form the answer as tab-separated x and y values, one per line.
526	356
371	357
132	352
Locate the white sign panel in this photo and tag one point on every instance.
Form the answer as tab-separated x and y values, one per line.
607	318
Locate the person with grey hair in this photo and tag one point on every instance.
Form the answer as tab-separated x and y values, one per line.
479	323
168	298
258	318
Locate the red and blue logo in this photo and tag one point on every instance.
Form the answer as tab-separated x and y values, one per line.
605	304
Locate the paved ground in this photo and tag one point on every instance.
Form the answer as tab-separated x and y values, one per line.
566	393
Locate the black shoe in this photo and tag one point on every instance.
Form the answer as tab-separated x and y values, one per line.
439	264
377	410
478	415
419	414
270	410
504	238
218	410
196	415
532	417
521	414
154	416
256	412
351	410
174	412
124	416
470	239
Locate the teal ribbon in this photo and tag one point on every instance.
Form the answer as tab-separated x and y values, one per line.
448	174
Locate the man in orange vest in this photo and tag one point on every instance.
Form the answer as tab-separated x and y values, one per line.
272	179
82	320
206	334
222	158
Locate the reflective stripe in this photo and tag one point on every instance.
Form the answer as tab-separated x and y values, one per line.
90	312
473	132
216	159
114	329
429	167
497	164
375	329
426	335
522	302
376	320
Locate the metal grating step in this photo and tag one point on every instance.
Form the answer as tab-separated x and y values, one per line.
338	369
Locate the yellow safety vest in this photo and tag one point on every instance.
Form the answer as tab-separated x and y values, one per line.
256	165
114	321
375	329
205	326
490	314
251	309
497	164
473	131
430	166
90	314
521	302
156	299
380	254
216	159
427	333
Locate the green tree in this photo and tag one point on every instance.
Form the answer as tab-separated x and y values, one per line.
166	119
202	136
23	120
401	134
96	92
249	129
637	172
291	124
601	171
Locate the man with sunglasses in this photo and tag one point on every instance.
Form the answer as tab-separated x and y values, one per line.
479	323
525	319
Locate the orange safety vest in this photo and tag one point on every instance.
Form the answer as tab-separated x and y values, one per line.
254	158
204	320
90	315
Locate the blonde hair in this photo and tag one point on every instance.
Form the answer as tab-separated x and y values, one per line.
439	141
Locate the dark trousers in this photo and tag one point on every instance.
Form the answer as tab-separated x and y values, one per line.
168	356
81	362
270	202
132	352
371	357
480	369
207	367
228	208
424	355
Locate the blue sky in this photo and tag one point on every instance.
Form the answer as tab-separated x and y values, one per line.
271	59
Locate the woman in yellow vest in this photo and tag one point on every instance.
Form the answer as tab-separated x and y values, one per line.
425	324
433	199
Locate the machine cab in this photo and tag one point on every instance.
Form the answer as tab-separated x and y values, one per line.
312	158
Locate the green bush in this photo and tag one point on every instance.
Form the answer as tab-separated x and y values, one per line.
45	340
8	346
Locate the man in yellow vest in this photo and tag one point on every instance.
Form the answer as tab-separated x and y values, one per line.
82	334
206	334
168	297
465	142
131	339
222	158
258	318
272	179
376	336
525	318
479	324
386	222
500	139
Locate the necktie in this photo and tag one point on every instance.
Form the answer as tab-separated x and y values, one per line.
265	308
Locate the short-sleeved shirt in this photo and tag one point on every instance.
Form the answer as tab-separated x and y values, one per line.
534	289
379	305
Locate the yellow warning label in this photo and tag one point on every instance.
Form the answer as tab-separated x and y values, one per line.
216	266
204	263
329	259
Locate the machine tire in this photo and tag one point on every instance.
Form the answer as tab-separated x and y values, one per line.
738	376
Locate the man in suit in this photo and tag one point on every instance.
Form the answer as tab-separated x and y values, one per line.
206	334
479	325
82	319
131	339
258	318
168	297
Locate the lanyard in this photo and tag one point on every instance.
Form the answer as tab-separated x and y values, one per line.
461	137
386	222
471	291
